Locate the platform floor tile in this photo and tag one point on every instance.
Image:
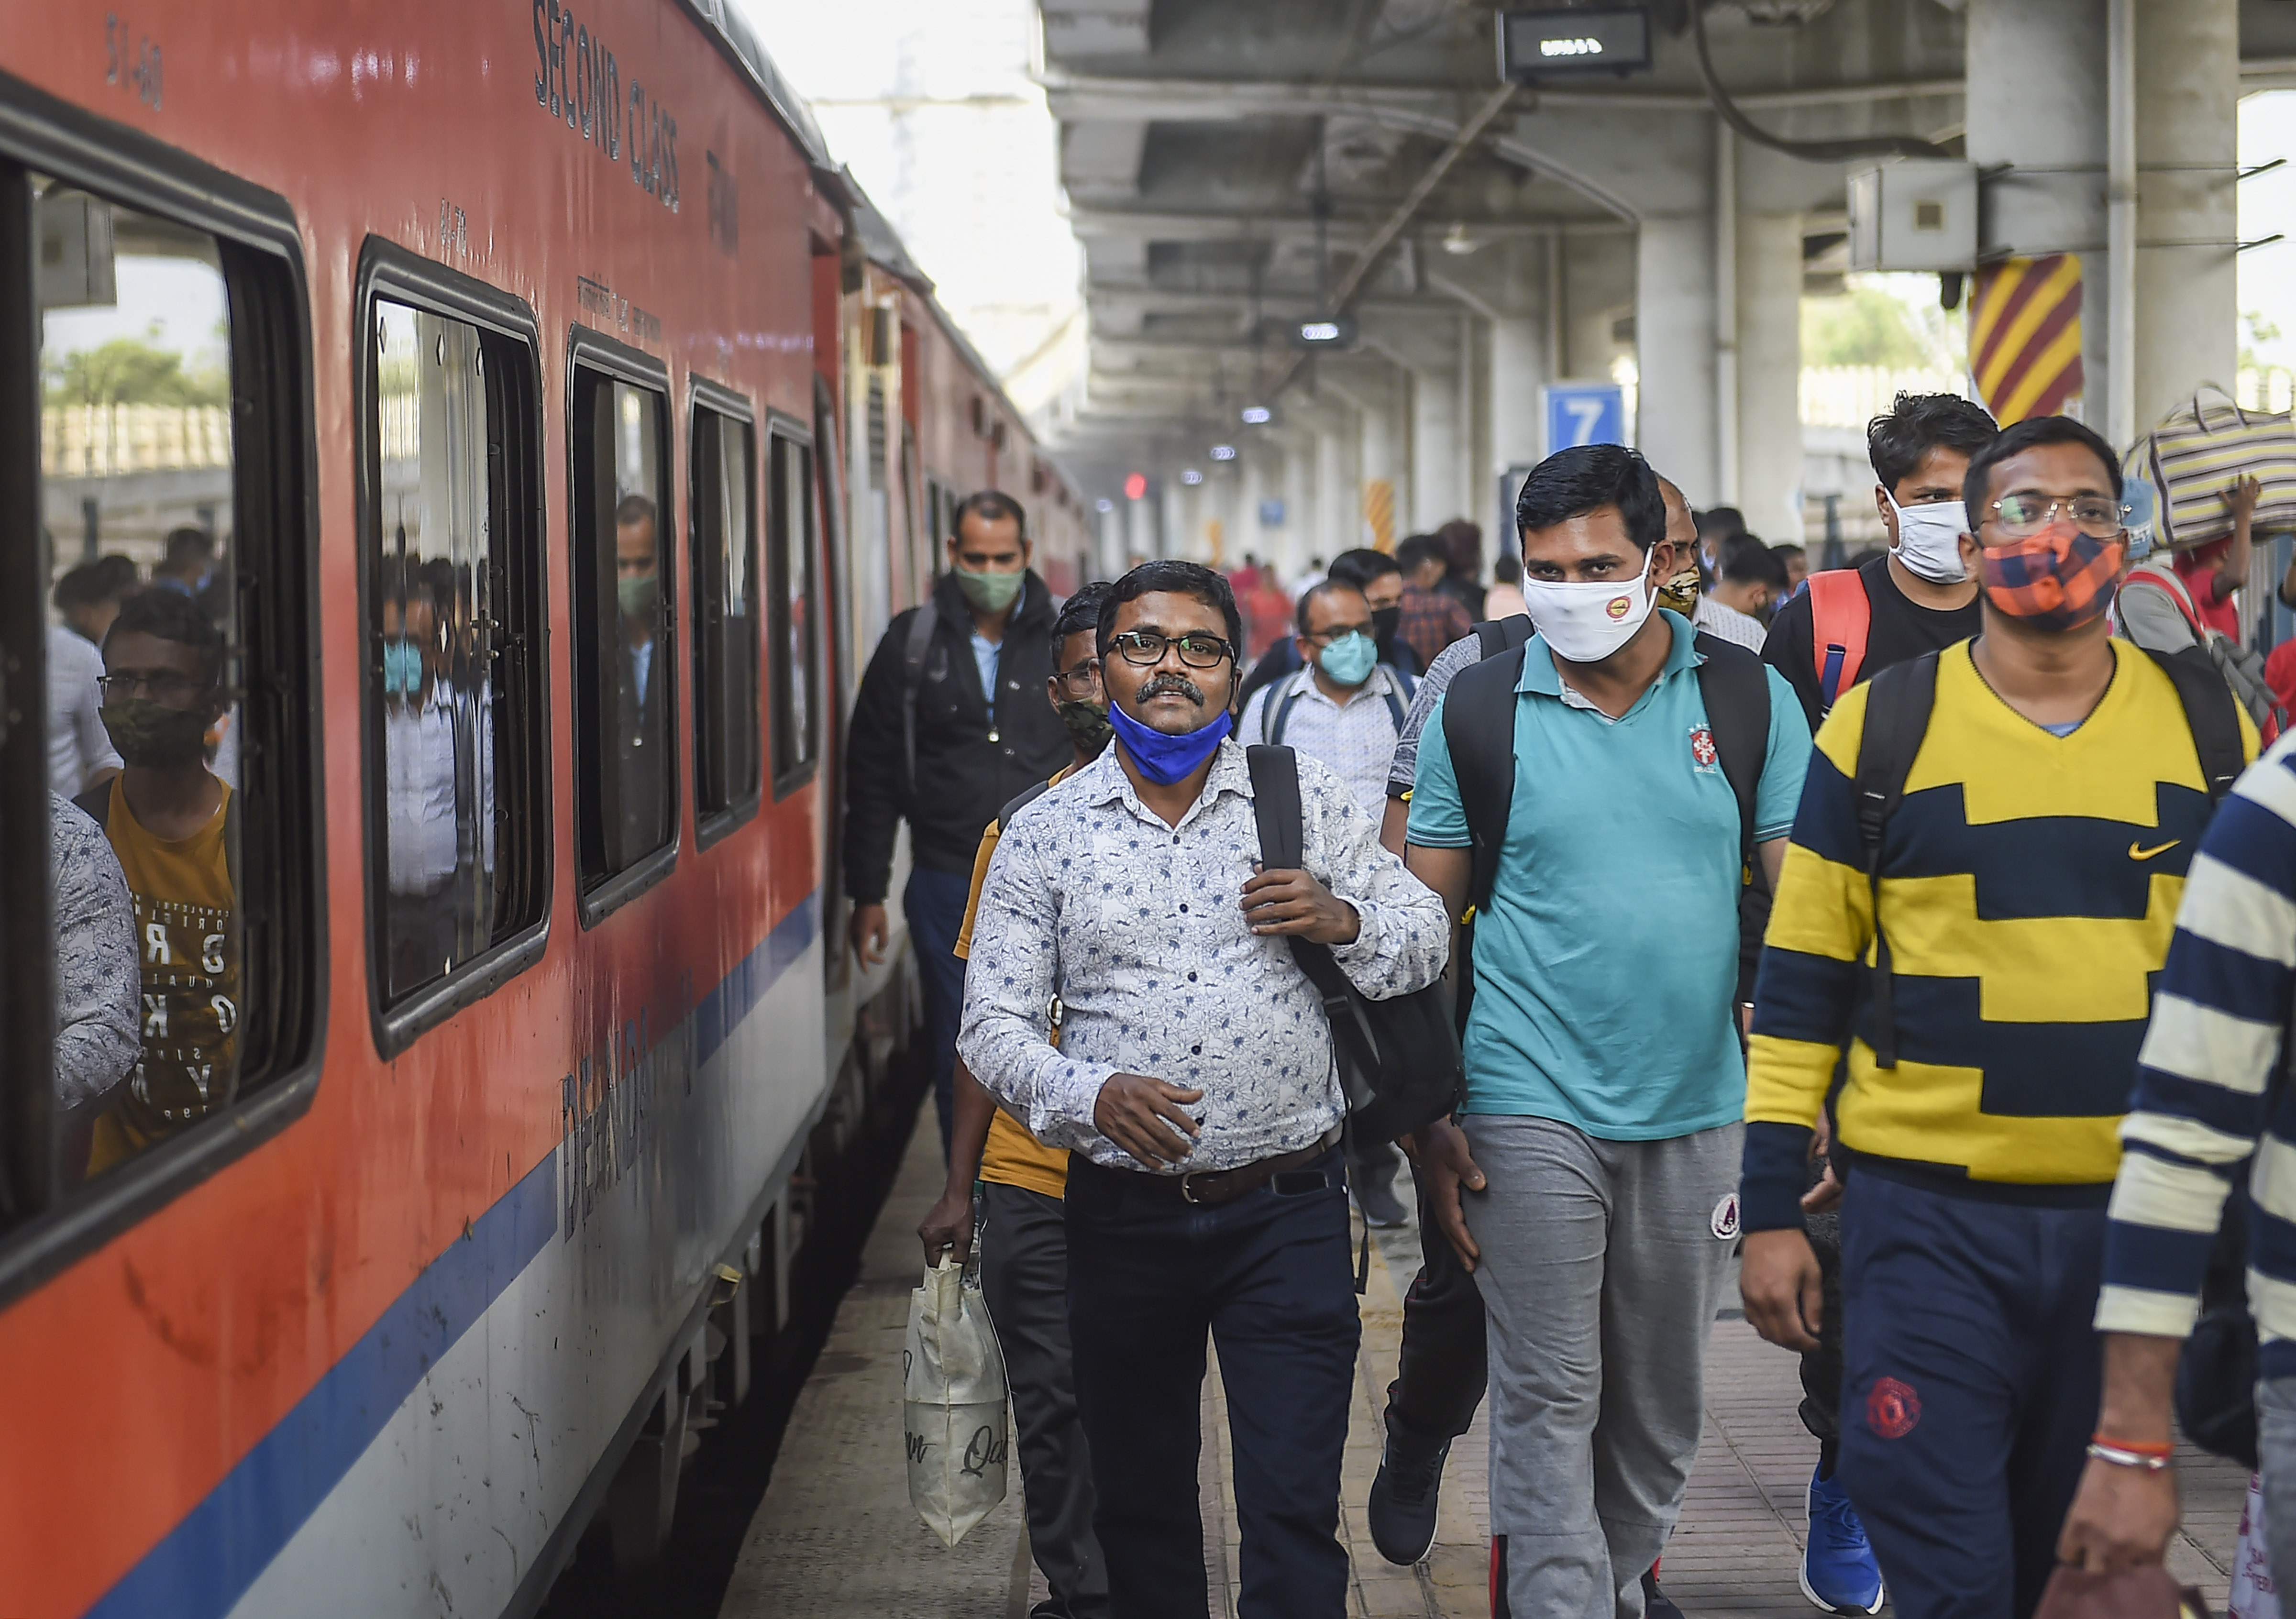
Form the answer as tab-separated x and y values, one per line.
836	1537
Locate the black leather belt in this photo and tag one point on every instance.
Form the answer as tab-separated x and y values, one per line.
1210	1187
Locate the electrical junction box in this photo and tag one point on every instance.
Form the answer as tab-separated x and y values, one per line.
1914	214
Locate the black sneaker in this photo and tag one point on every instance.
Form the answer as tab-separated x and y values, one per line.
1656	1603
1403	1501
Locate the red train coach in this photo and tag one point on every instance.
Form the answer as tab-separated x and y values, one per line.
396	1142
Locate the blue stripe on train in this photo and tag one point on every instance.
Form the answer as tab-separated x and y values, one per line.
210	1559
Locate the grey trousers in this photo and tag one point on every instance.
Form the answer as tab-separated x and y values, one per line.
1603	1263
1024	1279
2275	1455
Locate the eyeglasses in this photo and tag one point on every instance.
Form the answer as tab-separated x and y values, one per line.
1080	682
1336	631
165	684
1144	649
2022	516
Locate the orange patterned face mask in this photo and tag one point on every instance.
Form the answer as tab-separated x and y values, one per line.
2058	579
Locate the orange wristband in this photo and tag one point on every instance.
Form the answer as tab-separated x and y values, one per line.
2137	1446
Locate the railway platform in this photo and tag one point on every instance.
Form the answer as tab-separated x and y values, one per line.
835	1537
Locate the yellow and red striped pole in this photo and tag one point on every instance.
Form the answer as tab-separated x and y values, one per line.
2025	336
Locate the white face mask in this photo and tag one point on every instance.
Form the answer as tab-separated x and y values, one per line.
1587	623
1929	539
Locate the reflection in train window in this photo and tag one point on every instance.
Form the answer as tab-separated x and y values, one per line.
157	885
727	723
792	622
452	707
625	675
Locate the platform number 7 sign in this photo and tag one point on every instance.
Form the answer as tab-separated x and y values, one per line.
1584	413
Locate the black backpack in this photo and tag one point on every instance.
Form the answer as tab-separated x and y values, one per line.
1398	1059
1478	731
1897	706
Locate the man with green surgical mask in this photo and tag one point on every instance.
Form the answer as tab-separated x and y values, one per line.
174	825
946	731
1345	708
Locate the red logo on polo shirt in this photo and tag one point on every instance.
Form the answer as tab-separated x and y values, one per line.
1703	754
1893	1407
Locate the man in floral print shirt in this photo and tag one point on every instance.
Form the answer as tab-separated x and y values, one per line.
1195	1083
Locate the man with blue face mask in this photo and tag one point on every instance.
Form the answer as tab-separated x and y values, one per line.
1194	1085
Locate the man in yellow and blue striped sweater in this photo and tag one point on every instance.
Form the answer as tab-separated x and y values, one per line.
2023	897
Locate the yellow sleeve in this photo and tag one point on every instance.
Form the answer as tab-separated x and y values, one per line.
963	949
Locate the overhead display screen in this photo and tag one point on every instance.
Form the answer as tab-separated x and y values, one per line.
1551	43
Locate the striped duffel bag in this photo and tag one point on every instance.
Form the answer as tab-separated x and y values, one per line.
2201	450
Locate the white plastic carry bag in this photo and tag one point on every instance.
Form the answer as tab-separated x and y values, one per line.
2252	1595
954	1408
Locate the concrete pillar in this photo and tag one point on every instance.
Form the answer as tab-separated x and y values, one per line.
1251	488
1770	374
1674	351
1113	542
1518	370
1338	501
1141	542
1437	448
2187	95
1385	484
1299	531
2036	103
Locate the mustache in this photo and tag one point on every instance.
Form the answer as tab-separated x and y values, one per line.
1178	684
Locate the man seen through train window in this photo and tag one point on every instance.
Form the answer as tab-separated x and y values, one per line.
637	578
174	826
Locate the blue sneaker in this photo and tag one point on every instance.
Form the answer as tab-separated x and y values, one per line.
1837	1570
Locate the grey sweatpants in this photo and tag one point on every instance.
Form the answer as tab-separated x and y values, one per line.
1603	1263
2275	1457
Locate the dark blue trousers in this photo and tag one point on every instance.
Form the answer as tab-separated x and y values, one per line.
1269	1277
1970	1389
934	903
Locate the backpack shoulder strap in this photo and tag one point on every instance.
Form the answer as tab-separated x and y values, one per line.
913	674
1840	613
1276	714
1020	801
2210	710
1403	682
1276	806
1498	635
1897	718
1479	731
2167	583
1397	692
1735	685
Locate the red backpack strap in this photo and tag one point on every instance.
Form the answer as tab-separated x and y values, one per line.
1840	615
2165	581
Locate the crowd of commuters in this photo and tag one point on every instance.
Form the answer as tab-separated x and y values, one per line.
1924	824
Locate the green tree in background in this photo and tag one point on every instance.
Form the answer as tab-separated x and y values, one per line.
130	371
1875	322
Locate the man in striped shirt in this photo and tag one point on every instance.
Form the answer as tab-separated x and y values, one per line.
2199	1120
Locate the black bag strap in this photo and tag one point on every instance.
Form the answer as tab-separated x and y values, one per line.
1897	718
1282	837
2210	711
1498	635
1735	686
1478	731
1020	801
912	677
1276	714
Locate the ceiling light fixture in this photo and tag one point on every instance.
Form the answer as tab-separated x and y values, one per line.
1192	477
1223	452
1257	415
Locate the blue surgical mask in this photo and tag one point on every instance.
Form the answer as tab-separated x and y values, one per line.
1163	759
1350	659
402	665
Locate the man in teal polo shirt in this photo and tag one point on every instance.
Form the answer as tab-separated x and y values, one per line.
1604	1077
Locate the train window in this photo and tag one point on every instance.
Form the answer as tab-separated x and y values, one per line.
727	726
173	973
457	791
793	621
625	668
